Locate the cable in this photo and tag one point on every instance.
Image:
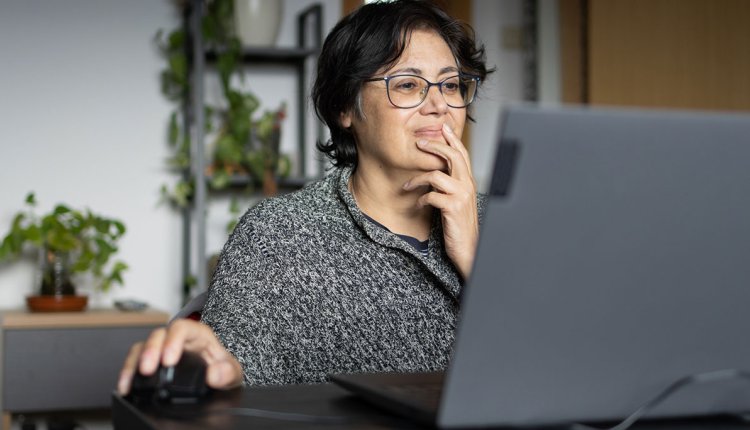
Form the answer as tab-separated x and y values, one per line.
285	416
697	378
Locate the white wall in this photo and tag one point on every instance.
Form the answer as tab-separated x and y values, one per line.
82	121
548	51
504	85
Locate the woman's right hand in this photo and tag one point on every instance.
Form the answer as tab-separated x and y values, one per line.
165	345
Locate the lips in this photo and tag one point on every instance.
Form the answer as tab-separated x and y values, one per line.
430	132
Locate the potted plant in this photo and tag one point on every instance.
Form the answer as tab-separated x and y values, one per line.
253	154
243	145
70	242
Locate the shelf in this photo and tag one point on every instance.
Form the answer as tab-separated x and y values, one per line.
271	55
288	183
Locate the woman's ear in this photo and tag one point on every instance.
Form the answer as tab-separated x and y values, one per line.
345	119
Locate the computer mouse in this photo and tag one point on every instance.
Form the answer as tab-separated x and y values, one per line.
183	382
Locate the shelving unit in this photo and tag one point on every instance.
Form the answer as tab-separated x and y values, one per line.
309	40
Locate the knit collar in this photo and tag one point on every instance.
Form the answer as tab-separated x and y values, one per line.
437	261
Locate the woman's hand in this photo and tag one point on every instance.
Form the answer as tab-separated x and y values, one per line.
454	193
165	346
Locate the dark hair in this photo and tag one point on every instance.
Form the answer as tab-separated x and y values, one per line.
368	40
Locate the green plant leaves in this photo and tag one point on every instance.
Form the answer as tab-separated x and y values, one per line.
61	209
176	40
227	150
220	179
174	130
179	195
115	275
61	240
30	199
90	240
34	234
119	227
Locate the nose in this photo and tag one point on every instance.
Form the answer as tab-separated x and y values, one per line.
434	101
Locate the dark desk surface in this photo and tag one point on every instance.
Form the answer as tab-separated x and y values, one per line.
310	400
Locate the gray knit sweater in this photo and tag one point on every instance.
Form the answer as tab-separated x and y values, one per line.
307	286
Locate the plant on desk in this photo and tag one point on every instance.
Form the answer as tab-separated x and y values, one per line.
70	242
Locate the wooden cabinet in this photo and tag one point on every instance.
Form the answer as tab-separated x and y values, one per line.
66	361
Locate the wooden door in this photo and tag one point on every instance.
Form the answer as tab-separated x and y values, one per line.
691	54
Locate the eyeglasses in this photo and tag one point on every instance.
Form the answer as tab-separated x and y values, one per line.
408	91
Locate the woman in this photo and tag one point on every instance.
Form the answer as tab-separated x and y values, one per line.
360	271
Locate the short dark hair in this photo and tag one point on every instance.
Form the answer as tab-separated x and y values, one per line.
368	40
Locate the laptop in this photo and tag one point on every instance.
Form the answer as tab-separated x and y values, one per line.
614	259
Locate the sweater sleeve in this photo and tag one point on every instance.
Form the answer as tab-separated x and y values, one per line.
243	303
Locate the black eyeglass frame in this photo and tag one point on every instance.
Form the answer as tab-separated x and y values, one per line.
386	79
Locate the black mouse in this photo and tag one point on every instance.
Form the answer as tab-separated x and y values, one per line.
184	382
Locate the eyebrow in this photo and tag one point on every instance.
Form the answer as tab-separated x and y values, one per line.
415	71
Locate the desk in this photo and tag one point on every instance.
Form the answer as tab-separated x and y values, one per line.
324	399
66	360
318	400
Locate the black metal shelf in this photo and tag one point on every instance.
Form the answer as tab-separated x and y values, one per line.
271	55
289	183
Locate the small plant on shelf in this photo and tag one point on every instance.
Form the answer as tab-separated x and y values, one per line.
70	242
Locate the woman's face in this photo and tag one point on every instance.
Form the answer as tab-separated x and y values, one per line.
387	136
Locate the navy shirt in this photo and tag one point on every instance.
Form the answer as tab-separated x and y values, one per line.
420	245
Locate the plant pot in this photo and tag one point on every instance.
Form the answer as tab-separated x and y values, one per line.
257	21
56	274
57	292
56	303
270	186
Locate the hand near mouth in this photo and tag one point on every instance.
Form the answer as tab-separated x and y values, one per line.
454	193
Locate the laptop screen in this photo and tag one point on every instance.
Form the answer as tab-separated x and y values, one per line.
613	260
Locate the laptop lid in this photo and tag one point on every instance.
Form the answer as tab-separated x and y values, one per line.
614	259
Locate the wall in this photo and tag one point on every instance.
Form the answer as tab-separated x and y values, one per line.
83	123
504	86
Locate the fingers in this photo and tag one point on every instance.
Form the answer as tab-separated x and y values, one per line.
152	351
464	190
455	142
454	194
454	153
165	346
225	373
128	369
185	334
449	203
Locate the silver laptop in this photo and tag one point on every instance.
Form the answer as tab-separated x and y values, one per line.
614	259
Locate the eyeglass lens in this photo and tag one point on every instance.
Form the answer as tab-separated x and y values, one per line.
408	90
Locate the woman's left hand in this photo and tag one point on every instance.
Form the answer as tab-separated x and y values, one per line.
454	194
